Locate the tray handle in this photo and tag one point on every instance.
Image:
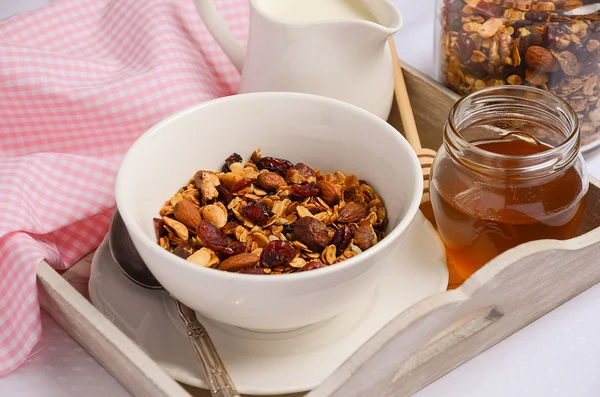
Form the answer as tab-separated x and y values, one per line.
451	336
422	333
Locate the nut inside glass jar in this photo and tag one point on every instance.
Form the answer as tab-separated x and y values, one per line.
536	43
270	216
509	172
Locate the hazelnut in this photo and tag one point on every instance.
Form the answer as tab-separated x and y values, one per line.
352	212
183	250
270	181
364	235
311	232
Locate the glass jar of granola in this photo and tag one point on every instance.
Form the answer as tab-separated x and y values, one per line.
553	45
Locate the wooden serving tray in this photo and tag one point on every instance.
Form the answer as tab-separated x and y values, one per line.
422	344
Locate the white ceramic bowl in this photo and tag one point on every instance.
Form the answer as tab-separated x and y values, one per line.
324	133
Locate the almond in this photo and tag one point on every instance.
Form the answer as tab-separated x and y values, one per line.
270	181
239	262
187	213
352	212
540	59
330	192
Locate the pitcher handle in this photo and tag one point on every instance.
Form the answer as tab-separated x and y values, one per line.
221	33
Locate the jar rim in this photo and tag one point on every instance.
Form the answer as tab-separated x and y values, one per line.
570	143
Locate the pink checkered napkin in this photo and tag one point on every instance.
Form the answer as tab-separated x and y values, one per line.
79	82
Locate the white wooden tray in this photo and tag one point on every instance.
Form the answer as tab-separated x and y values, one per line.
416	348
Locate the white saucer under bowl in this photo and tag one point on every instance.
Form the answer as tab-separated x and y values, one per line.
270	363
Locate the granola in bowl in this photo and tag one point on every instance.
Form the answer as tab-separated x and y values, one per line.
270	216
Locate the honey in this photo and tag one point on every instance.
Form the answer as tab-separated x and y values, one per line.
494	187
477	223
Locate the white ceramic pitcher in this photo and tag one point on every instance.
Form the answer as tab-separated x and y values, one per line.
333	48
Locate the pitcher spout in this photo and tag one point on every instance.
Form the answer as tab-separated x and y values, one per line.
385	15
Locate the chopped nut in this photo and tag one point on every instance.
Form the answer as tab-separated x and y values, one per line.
302	211
490	27
478	57
514	79
206	183
179	228
593	45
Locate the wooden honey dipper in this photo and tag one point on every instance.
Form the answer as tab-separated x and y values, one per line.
425	155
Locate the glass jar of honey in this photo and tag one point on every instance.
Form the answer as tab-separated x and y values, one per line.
509	171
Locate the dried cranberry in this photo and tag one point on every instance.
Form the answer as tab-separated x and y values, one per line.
253	270
234	158
256	212
535	16
277	253
580	52
483	69
342	237
589	66
224	196
551	35
241	184
230	250
466	46
312	265
490	10
308	190
520	23
211	235
311	232
159	228
274	164
454	21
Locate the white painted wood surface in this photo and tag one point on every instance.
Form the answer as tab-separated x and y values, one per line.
422	344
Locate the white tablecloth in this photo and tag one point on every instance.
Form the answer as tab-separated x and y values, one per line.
556	356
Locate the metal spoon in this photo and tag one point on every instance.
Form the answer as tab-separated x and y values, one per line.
584	10
132	265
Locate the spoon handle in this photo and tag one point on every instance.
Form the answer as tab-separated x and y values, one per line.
218	379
